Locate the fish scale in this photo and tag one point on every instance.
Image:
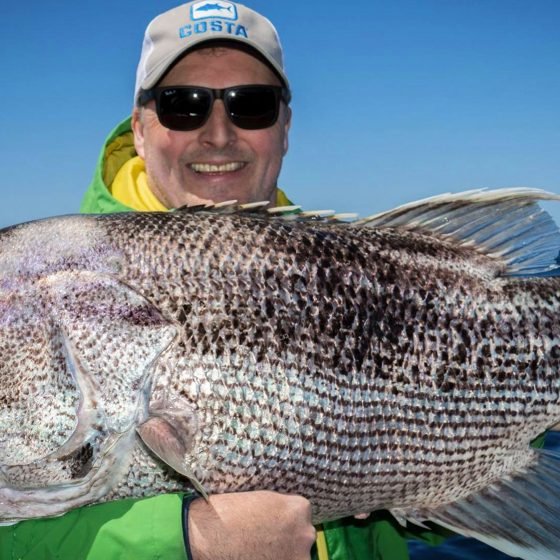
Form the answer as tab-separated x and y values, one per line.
394	363
245	293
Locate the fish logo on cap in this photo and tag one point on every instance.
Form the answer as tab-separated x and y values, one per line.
223	10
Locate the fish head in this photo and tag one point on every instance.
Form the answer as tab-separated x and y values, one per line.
78	349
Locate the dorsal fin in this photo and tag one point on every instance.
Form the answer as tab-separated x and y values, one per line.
191	209
295	214
225	207
280	210
505	223
317	213
344	217
285	213
254	206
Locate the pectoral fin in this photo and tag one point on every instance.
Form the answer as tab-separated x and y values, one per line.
169	434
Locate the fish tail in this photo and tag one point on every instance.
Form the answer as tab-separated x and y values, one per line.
517	515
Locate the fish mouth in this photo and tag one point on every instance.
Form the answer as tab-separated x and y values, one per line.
215	168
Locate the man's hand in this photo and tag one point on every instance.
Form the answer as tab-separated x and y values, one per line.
251	526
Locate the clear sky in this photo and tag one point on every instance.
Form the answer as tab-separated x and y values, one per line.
393	100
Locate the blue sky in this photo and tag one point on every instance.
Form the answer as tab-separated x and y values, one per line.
393	100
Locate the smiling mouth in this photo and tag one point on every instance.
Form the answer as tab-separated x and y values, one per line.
217	168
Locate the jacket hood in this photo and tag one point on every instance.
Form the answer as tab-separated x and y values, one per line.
117	150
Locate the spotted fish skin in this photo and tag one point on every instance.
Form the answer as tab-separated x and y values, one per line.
362	367
389	368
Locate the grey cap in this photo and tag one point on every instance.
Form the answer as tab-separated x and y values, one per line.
172	33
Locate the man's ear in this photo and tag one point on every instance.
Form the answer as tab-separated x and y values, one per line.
287	128
138	131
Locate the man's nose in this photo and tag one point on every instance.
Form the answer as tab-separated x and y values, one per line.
218	130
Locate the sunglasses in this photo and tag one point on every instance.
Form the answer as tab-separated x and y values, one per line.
251	107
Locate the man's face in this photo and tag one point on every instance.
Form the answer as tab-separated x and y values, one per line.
218	161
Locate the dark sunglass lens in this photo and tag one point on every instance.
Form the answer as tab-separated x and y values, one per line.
253	108
184	108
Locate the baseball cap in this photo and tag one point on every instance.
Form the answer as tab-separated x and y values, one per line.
172	33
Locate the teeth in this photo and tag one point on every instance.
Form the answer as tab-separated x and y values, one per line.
214	168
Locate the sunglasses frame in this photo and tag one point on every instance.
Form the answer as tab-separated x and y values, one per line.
280	94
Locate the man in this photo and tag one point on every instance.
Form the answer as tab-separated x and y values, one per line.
210	123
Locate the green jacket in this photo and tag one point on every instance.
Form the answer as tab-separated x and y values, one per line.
150	528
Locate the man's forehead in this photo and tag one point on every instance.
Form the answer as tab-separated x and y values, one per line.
221	47
214	52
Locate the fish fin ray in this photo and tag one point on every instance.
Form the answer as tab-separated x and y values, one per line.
283	210
254	206
517	515
259	207
192	209
262	208
507	224
404	518
317	214
168	433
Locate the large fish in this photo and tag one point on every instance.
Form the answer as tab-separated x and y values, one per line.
402	362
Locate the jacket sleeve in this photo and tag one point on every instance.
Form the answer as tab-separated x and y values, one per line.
379	537
145	529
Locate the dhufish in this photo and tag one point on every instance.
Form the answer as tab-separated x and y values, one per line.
404	361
